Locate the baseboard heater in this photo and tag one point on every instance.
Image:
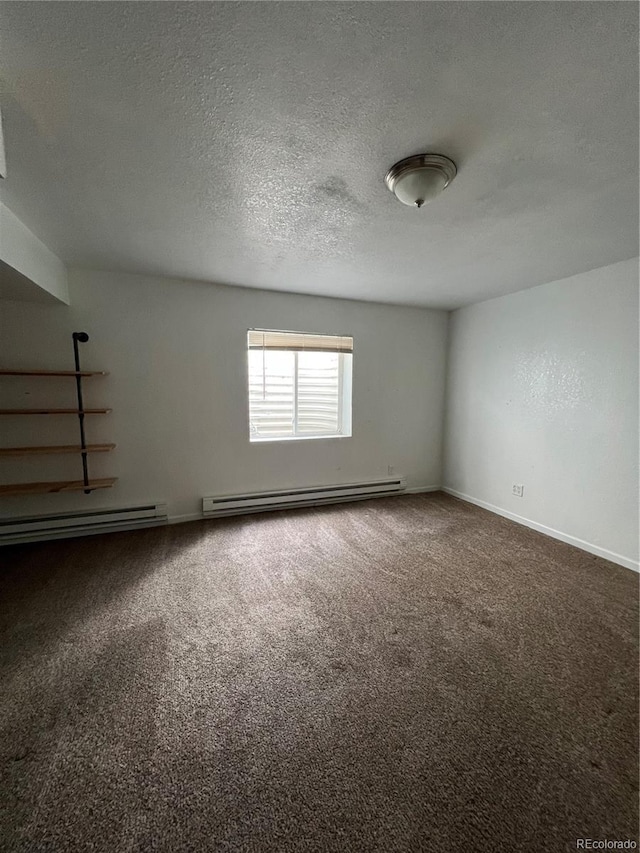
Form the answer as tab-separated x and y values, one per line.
264	501
63	526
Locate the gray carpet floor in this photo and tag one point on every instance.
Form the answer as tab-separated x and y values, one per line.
404	674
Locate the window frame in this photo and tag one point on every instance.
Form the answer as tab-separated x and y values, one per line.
345	419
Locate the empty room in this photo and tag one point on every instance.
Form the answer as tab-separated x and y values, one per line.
319	408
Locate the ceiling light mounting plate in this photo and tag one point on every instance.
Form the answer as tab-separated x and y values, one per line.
417	180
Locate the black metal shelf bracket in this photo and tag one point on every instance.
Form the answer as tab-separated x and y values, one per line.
82	338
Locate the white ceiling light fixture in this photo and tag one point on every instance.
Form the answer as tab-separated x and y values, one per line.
419	179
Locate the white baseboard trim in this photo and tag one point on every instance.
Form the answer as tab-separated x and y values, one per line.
418	490
549	531
191	516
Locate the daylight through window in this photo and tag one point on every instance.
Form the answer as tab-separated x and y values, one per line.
299	385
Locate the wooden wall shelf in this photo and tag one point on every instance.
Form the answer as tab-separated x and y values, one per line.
55	448
4	372
85	485
54	411
60	486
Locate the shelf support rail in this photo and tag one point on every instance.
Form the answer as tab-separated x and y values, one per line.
81	337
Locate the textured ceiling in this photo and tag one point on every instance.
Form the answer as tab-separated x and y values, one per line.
246	143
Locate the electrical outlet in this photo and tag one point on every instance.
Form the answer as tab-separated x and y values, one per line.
518	490
390	470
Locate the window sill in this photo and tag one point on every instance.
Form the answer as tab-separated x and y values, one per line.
269	440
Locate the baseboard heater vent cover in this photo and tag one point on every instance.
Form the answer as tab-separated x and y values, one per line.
63	526
264	501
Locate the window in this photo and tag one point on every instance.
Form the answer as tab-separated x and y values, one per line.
299	385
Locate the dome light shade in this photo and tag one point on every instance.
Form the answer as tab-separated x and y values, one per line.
417	180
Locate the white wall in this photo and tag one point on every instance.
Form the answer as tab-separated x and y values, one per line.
176	352
39	274
543	390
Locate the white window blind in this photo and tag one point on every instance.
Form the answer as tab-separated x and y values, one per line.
264	339
299	385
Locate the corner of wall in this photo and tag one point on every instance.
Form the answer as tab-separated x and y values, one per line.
30	270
